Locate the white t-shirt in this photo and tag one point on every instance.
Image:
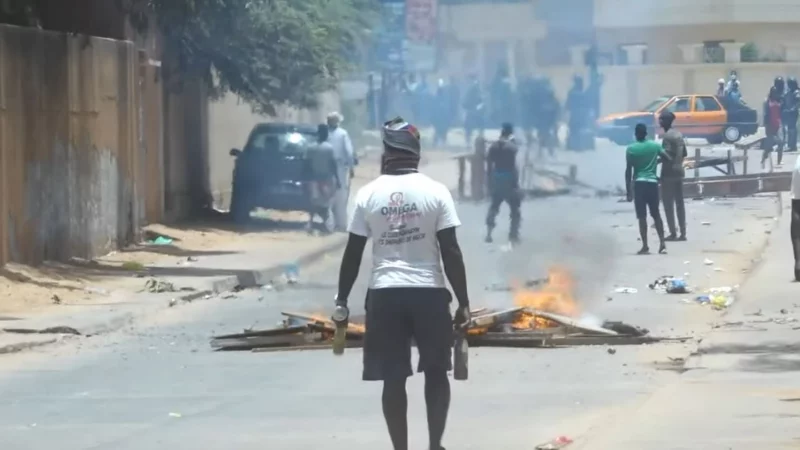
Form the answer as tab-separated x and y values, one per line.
796	180
402	214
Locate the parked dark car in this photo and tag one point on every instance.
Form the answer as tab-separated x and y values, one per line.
270	171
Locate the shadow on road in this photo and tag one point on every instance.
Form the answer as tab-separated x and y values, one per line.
770	357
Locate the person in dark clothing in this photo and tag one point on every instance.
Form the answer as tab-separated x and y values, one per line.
794	227
473	110
502	97
442	113
576	107
547	120
790	107
641	184
672	174
527	108
503	182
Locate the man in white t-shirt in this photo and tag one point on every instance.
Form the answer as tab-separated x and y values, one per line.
412	222
795	224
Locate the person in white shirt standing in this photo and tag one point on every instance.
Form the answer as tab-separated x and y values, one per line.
412	222
795	224
345	161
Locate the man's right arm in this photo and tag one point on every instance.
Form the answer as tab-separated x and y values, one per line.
452	258
628	175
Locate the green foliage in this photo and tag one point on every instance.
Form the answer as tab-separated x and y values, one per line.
269	52
750	52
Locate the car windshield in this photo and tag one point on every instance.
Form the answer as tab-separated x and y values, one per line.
655	104
269	141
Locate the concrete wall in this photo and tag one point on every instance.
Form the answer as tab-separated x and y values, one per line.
631	87
657	13
229	123
69	166
662	42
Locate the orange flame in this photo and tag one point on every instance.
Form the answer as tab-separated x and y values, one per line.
556	296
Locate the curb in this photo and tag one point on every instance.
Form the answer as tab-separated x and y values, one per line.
26	345
263	276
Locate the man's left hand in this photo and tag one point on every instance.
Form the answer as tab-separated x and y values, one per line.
462	317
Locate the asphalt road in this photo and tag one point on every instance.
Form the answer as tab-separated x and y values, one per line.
157	385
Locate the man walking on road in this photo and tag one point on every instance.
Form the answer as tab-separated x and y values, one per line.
345	161
641	184
412	221
672	174
323	178
795	224
503	182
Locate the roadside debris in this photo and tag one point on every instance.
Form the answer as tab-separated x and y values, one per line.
156	286
133	266
626	290
161	240
555	444
56	299
708	262
670	285
513	327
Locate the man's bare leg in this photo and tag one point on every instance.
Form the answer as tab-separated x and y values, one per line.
437	401
643	235
662	247
395	408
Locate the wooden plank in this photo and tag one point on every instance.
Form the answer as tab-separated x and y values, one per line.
265	341
352	327
495	318
572	323
270	332
300	348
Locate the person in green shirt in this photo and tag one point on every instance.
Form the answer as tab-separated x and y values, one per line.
641	184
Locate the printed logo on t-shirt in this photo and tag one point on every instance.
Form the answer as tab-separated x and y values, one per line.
397	212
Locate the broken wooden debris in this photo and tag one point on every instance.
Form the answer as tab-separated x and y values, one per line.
488	328
50	330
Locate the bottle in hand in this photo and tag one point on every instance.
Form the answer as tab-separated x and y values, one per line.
460	355
340	316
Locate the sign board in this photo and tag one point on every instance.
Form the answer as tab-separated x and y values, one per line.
421	32
391	36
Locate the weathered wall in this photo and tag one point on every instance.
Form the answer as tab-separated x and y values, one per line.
631	87
229	123
68	145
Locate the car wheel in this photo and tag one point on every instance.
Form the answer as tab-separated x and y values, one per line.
731	134
240	208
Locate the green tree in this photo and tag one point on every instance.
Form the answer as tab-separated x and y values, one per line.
269	52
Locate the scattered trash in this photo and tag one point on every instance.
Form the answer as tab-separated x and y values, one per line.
739	230
268	287
56	299
612	351
95	290
670	285
626	290
155	286
708	262
719	269
161	240
132	266
783	311
175	415
173	302
705	223
192	259
555	444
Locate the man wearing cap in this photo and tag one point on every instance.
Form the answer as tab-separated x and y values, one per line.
412	222
503	181
345	161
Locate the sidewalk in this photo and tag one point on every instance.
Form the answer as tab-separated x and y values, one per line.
742	388
207	263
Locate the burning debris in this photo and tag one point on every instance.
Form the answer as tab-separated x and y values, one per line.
548	316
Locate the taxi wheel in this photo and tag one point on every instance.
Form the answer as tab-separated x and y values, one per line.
731	134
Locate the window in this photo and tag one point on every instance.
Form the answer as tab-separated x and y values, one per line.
679	105
268	142
706	104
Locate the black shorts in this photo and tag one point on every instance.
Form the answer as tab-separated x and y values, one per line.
645	196
395	316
